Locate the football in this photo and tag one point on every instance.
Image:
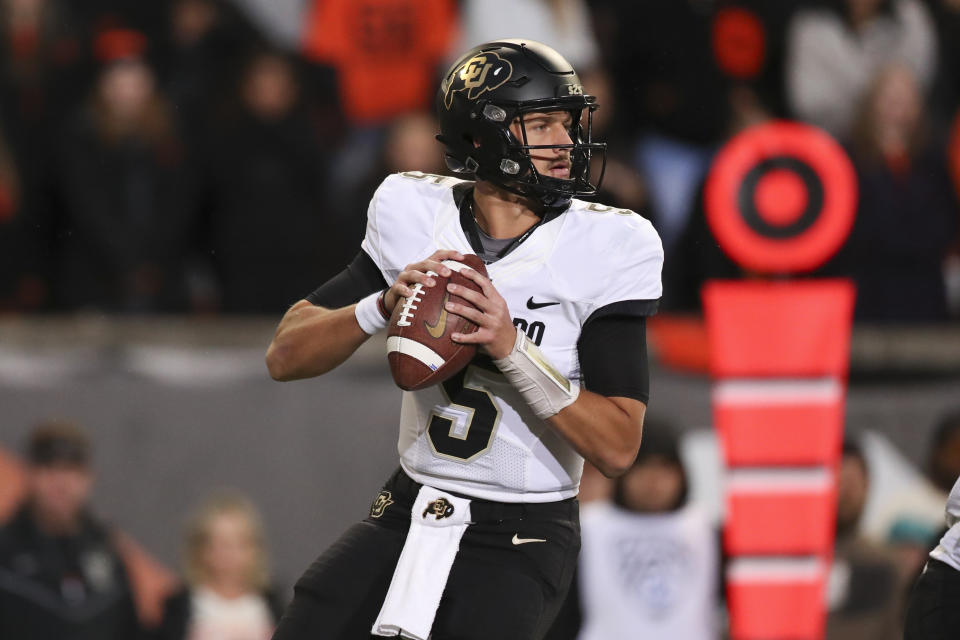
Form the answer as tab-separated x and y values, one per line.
419	347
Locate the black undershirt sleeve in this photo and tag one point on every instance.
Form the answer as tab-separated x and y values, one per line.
612	347
361	278
613	356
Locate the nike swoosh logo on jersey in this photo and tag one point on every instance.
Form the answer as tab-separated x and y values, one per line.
519	540
436	330
539	305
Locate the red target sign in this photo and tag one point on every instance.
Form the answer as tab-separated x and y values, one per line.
781	197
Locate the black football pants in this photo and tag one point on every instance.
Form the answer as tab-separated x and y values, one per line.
934	609
496	589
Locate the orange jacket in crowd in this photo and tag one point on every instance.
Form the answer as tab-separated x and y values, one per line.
387	53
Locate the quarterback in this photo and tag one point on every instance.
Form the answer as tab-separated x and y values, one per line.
476	534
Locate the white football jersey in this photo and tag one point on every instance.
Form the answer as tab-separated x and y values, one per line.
475	434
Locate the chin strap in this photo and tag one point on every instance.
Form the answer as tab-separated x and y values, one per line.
544	388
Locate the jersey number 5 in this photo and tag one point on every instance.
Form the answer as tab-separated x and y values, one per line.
463	430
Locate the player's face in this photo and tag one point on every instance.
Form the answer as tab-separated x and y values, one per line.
547	128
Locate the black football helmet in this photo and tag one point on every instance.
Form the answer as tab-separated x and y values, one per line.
492	85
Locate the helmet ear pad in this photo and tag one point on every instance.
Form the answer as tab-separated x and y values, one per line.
482	146
460	155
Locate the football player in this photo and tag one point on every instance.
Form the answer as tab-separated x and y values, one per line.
476	534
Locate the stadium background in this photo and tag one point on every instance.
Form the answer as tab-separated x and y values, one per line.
265	126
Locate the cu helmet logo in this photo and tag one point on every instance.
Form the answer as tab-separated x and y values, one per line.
483	72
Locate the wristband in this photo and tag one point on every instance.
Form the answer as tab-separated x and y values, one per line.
369	316
544	388
382	306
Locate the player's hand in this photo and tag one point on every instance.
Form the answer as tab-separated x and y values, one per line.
496	333
417	272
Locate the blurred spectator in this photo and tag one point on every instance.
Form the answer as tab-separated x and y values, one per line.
386	52
697	257
273	233
649	565
564	25
865	590
21	288
60	572
672	96
103	15
905	509
907	216
835	51
946	95
9	184
118	201
409	144
623	185
42	71
910	540
225	561
197	61
666	80
386	56
748	39
594	486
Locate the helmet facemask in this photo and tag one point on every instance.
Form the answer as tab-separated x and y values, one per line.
502	158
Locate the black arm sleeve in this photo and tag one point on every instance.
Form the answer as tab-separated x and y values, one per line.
613	356
361	278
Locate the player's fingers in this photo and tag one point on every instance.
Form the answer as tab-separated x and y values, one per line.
437	267
411	277
397	291
469	312
485	285
424	272
446	254
474	297
431	265
477	337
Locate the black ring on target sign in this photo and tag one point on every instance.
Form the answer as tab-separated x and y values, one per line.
781	197
755	219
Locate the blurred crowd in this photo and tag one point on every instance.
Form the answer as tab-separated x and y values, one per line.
651	564
67	573
170	157
174	157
